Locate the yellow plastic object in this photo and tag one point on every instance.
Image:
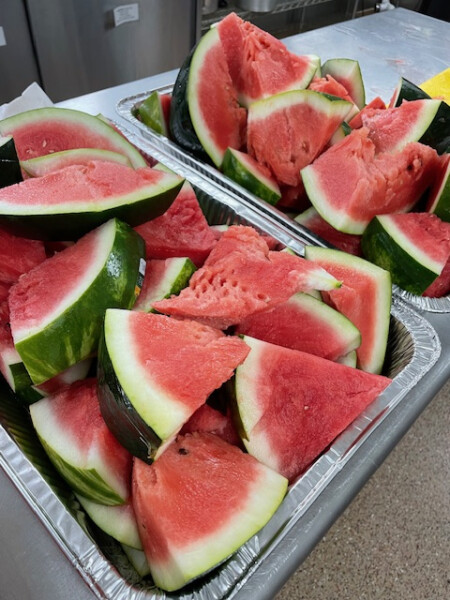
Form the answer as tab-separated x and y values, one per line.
438	86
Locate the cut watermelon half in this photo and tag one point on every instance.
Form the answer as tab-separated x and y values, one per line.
349	184
198	504
287	131
292	405
48	130
364	298
413	247
438	199
150	381
42	165
81	447
241	277
67	203
57	309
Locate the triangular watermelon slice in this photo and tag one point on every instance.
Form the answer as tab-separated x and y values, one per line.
292	405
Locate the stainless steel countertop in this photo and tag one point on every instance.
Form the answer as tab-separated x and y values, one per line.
387	45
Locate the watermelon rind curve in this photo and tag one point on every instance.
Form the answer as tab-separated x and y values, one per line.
37	167
71	334
438	199
347	72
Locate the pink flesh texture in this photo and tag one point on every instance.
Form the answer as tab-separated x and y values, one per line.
377	102
224	118
364	184
170	347
240	277
290	139
52	279
259	64
306	402
77	411
197	485
389	126
6	341
80	183
292	326
343	241
181	231
17	256
329	85
209	420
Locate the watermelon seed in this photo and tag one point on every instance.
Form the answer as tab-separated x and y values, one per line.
183	451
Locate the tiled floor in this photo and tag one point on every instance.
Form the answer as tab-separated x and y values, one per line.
393	541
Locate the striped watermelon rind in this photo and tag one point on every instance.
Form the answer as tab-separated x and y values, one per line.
37	167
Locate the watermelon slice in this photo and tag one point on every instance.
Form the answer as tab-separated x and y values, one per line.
42	165
198	504
438	200
329	85
143	399
364	298
292	405
287	131
349	183
80	446
57	309
356	121
154	111
241	277
347	72
48	130
414	248
182	231
259	64
67	203
304	323
17	256
207	419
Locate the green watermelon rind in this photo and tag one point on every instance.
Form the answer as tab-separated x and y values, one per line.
348	68
37	167
151	114
8	148
71	336
11	124
236	167
10	172
440	203
350	359
384	244
137	559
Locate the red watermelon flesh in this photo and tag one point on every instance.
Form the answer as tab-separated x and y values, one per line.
207	419
293	405
4	290
376	103
242	277
350	183
196	504
166	100
181	231
343	241
329	85
17	256
259	64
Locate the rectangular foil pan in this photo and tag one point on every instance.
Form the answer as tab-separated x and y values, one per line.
125	108
413	349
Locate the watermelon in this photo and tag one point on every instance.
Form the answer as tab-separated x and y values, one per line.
42	165
414	248
47	130
81	447
154	112
329	85
10	172
198	504
182	231
143	399
364	298
347	73
67	203
438	199
101	270
356	121
18	255
259	64
288	131
292	404
350	183
210	420
304	323
240	277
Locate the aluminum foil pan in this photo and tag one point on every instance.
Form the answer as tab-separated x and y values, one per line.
125	108
413	349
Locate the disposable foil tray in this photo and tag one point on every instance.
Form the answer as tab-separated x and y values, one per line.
413	349
125	109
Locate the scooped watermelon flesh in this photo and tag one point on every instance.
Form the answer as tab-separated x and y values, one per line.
241	277
198	504
292	405
287	131
78	442
151	382
259	64
350	183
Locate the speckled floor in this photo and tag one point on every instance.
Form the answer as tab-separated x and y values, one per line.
393	541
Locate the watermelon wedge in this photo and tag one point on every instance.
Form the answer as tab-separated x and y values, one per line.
292	405
207	419
241	277
364	298
101	270
80	446
150	383
18	255
67	203
438	199
414	248
48	130
347	73
42	165
198	504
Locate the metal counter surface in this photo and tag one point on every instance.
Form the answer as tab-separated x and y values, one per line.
388	45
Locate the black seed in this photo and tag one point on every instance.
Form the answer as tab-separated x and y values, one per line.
183	451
